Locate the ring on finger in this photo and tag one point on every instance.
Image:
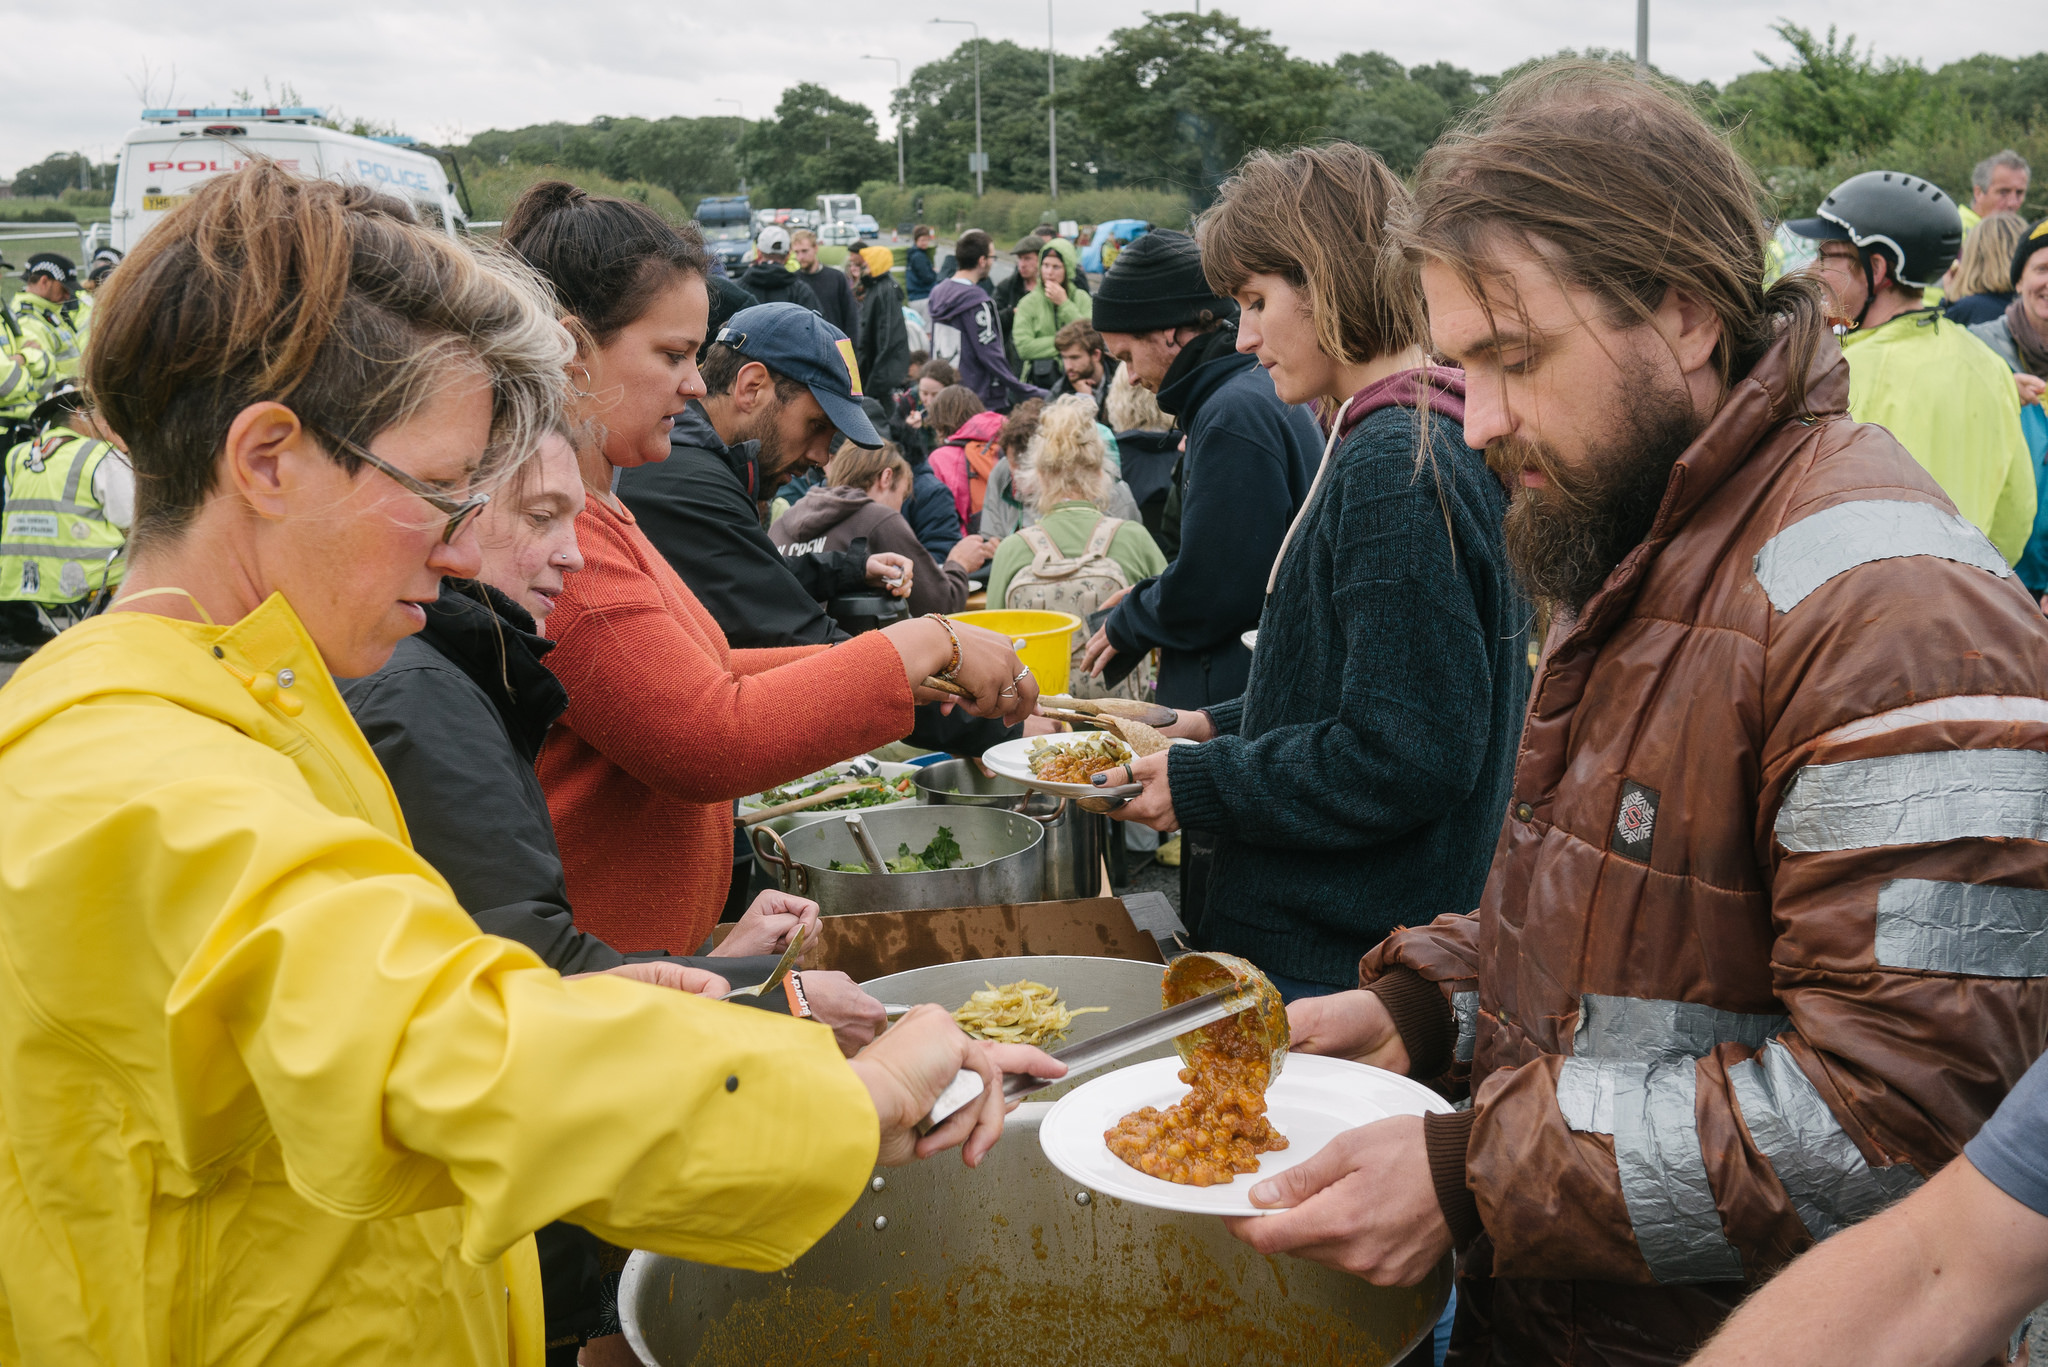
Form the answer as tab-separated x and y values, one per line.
1022	674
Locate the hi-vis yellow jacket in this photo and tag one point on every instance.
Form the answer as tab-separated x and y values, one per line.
1951	403
266	1093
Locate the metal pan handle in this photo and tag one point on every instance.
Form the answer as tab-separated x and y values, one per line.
1051	818
787	870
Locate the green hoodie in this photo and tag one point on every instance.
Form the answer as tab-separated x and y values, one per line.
1038	321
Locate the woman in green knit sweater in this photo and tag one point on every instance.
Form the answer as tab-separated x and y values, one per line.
1055	301
1068	481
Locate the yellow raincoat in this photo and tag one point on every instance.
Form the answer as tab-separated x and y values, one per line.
1951	403
266	1093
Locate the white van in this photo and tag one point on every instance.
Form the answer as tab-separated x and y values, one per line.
176	149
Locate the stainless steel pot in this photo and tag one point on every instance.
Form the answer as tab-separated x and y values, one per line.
1073	838
1006	853
1013	1263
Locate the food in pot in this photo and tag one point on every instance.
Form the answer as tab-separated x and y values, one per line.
942	853
1219	1128
1076	759
875	791
1019	1013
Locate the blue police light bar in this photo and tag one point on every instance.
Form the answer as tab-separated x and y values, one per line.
395	139
270	112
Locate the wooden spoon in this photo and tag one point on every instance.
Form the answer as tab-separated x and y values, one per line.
802	804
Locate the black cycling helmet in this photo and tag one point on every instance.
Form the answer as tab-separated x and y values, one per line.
1913	222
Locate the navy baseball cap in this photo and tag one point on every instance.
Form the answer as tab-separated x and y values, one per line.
791	340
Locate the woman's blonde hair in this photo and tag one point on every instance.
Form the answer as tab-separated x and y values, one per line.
1986	263
1066	459
330	299
1134	408
856	467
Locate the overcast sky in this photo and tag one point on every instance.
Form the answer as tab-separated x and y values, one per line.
445	71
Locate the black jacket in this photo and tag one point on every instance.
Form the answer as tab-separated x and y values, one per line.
775	284
881	341
701	509
1008	295
1150	459
457	717
1249	463
835	298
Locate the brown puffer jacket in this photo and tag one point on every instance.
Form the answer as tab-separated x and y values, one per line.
1764	936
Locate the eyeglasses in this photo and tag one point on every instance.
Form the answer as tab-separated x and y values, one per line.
459	510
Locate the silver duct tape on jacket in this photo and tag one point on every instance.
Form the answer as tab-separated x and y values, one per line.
1916	799
1813	550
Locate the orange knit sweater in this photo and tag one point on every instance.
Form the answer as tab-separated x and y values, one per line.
667	725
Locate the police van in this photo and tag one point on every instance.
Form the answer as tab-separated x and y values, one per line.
175	150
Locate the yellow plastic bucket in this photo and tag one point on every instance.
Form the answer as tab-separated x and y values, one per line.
1043	640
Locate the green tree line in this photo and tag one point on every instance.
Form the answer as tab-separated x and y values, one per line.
1158	116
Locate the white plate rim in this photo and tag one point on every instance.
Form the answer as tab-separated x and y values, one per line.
1142	1190
1008	760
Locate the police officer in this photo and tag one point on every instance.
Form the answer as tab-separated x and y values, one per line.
1884	237
96	272
49	301
70	502
25	367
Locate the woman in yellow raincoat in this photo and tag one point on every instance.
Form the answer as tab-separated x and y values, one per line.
266	1093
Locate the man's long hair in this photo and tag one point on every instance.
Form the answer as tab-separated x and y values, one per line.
1615	181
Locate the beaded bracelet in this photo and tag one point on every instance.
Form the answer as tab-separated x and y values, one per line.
951	671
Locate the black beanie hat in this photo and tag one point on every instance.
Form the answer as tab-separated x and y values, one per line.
1157	282
2034	241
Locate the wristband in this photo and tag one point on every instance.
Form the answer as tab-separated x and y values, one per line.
799	1004
952	671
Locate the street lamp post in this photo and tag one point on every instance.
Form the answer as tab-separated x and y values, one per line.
899	113
727	99
1643	34
1052	117
980	159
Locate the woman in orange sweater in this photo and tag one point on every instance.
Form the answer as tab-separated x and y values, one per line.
666	724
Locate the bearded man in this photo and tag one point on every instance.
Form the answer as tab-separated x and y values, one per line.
1764	937
782	391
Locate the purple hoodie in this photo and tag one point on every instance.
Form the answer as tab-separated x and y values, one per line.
961	306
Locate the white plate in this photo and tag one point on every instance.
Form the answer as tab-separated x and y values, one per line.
1314	1100
1012	759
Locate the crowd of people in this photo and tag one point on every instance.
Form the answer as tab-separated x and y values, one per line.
1615	670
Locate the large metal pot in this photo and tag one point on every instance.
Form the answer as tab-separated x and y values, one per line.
1012	1263
1073	838
1005	851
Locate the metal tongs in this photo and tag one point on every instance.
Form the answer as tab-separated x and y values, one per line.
1085	1056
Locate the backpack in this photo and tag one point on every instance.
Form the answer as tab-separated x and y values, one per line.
1056	582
